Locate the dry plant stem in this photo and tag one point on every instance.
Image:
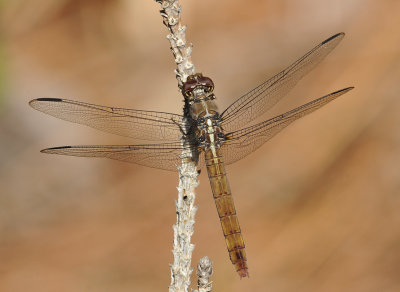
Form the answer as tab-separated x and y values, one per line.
204	272
183	230
171	13
185	209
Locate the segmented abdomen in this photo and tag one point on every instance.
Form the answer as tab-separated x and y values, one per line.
226	209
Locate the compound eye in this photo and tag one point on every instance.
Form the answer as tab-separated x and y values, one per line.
208	83
188	87
187	93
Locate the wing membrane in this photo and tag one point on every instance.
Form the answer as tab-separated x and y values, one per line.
243	142
138	124
162	156
266	95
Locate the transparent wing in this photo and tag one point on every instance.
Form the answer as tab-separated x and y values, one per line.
266	95
162	156
138	124
243	142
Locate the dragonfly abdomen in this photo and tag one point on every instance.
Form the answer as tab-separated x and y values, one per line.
226	209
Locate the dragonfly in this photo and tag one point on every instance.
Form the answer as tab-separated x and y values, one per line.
215	138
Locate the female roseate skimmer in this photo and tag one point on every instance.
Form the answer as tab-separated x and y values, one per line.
215	138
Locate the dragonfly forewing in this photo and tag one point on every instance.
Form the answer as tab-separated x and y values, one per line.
262	98
138	124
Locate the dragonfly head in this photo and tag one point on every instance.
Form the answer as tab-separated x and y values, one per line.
198	83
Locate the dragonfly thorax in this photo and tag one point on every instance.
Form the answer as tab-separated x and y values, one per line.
202	108
209	134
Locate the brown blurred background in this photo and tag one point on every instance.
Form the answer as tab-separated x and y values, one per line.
319	204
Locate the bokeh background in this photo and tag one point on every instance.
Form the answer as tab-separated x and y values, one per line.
319	204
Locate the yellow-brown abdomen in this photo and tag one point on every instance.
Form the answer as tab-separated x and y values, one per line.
226	210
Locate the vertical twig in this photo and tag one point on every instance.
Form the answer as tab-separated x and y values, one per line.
183	229
204	272
185	209
171	13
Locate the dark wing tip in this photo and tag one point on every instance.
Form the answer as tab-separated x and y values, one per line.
44	99
49	99
50	150
344	90
340	92
333	37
